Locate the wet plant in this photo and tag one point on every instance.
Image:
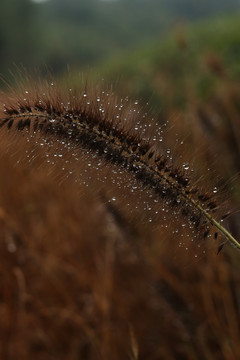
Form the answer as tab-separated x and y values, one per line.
117	135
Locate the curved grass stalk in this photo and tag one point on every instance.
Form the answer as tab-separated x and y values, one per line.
100	133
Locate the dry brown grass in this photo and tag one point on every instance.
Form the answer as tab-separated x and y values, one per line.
78	282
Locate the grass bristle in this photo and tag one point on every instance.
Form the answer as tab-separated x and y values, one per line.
95	129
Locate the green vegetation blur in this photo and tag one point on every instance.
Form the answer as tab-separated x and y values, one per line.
56	34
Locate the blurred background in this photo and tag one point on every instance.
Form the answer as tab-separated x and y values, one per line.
156	50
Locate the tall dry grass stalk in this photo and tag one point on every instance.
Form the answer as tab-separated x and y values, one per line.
96	123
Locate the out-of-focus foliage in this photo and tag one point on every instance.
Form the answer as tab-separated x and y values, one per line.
20	37
196	9
188	64
56	33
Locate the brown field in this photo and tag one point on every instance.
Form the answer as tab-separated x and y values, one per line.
82	278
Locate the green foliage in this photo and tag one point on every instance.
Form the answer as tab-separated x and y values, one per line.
191	62
57	33
20	36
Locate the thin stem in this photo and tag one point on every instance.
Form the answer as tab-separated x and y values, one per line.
222	229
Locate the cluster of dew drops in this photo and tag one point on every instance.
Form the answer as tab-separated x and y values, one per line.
67	153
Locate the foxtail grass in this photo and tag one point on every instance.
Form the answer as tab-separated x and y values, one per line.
94	123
